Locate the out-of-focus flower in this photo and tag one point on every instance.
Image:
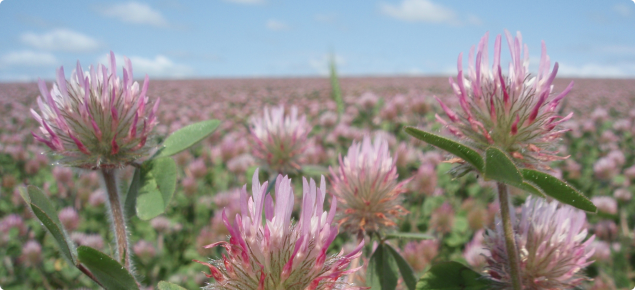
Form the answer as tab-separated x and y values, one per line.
9	181
161	224
97	198
32	253
420	254
69	218
95	119
605	230
63	175
572	168
367	100
328	119
280	254
605	168
630	172
622	194
189	185
617	156
144	250
405	155
514	112
605	204
599	115
425	180
550	240
280	139
314	153
240	163
198	168
603	282
9	222
475	252
622	125
442	218
366	186
91	240
602	251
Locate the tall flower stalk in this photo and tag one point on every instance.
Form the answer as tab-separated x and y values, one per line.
98	121
516	113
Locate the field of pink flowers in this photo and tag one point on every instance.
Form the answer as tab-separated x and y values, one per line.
455	212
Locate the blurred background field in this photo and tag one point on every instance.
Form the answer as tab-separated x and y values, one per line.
602	165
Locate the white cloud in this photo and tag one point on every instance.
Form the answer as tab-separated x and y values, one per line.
420	11
159	67
137	13
61	40
247	2
321	64
276	25
594	70
27	58
623	9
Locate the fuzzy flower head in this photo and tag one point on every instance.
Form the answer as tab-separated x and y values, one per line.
551	244
96	119
279	253
516	112
367	188
280	138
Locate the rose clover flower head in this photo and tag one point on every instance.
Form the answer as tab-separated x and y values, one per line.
517	112
96	119
366	186
551	242
280	139
279	253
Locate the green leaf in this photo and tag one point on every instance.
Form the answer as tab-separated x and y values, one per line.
406	271
109	273
499	167
44	211
532	188
336	92
451	276
382	270
462	151
559	190
169	286
187	136
412	236
314	170
133	192
158	182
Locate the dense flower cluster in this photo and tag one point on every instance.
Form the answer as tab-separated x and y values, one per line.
280	139
95	119
281	254
550	239
515	112
367	188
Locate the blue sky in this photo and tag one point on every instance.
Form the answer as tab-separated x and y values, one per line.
280	38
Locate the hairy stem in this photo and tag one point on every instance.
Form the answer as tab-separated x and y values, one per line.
510	240
355	262
118	219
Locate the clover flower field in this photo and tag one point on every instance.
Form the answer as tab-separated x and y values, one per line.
456	212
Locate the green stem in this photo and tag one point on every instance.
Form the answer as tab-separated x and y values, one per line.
510	240
118	219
